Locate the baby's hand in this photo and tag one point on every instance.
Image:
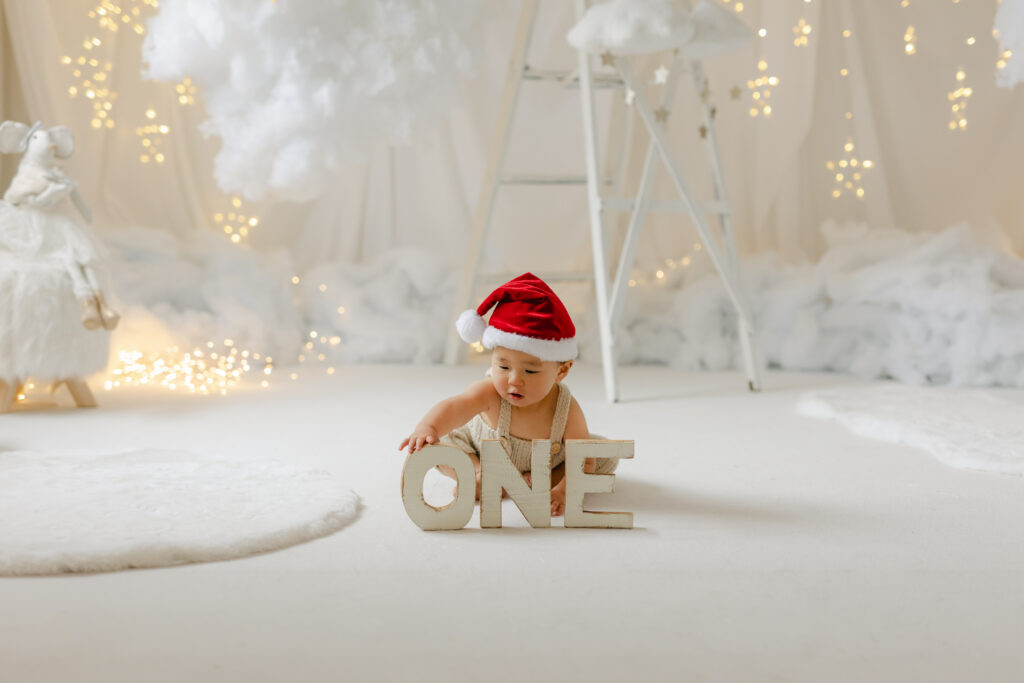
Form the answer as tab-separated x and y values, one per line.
558	500
420	437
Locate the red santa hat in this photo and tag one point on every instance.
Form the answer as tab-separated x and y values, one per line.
527	317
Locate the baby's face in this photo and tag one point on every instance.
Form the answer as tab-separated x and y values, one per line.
522	379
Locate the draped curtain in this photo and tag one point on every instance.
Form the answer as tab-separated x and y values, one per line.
924	176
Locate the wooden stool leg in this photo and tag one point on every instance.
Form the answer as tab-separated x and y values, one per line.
81	393
7	393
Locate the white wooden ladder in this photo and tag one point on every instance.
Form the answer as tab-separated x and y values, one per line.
609	303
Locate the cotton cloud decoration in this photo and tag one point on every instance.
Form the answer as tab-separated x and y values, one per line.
298	89
625	27
1009	29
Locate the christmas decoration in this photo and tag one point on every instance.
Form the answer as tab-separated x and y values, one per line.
51	300
292	112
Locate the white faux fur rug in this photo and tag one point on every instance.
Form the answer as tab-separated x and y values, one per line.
89	511
977	429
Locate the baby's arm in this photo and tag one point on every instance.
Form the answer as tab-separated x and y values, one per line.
451	413
575	428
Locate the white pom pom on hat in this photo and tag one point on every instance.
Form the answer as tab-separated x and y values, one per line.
528	316
471	326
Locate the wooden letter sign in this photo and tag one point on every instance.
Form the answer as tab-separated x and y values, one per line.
499	474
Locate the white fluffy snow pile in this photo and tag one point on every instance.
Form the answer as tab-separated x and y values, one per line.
942	307
626	27
938	308
297	89
1009	29
186	294
631	27
92	511
975	429
394	309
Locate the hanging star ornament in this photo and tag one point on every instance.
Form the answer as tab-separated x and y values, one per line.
801	33
661	75
607	59
958	101
761	90
630	96
735	92
848	172
661	114
703	130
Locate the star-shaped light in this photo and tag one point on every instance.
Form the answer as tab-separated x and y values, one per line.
110	14
958	101
801	33
91	79
151	137
235	221
186	92
910	41
761	90
848	171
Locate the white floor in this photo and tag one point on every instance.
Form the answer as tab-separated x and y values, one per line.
768	547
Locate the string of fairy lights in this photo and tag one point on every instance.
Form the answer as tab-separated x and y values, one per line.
235	220
848	169
91	72
215	367
111	15
213	370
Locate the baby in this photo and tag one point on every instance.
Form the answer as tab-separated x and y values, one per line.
533	344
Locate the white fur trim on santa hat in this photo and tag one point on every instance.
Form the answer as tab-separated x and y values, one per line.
470	326
545	349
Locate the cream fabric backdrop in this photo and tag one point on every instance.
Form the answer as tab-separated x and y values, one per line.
925	177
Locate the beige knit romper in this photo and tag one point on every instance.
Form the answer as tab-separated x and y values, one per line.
471	435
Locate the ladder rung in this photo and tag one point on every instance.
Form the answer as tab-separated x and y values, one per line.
546	179
570	78
547	277
665	206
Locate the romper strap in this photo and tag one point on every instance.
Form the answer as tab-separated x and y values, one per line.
561	416
504	420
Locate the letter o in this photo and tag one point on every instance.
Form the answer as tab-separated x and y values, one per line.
454	515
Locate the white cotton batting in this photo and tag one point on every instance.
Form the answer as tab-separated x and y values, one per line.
626	27
937	308
297	90
187	293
